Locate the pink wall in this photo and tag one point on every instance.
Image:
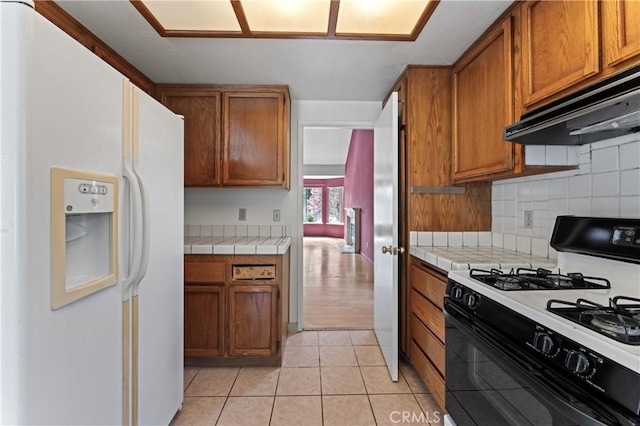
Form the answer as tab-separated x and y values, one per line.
324	229
358	186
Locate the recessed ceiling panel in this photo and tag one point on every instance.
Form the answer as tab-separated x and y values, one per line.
397	17
287	16
194	15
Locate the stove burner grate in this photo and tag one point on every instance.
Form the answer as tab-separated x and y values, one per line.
617	321
536	279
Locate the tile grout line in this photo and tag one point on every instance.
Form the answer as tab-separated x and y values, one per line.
275	395
190	381
226	400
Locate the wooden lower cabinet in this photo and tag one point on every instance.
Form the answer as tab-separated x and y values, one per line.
230	318
204	320
428	373
427	326
253	320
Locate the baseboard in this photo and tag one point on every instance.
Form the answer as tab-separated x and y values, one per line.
293	327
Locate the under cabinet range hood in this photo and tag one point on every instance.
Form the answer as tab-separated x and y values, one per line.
607	109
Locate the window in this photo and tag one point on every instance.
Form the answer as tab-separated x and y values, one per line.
335	204
313	205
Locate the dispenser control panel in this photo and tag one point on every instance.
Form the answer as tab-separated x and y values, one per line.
87	196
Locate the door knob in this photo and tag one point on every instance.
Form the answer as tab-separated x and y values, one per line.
392	250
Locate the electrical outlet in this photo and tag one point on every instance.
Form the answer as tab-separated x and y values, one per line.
528	218
276	215
242	215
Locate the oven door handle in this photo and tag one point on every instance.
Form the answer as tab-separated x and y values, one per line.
571	402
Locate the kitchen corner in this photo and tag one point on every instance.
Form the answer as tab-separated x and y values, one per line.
236	292
433	256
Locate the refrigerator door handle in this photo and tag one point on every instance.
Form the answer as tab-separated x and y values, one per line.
145	245
136	249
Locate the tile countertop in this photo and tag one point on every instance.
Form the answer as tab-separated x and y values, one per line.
453	258
236	245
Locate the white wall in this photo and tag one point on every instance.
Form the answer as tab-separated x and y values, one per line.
606	184
219	206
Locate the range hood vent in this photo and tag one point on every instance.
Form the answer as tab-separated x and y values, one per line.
604	110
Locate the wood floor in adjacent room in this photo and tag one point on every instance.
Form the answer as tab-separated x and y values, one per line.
338	288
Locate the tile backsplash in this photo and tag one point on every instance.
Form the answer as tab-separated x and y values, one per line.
606	184
237	230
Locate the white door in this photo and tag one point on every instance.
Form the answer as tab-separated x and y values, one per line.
385	223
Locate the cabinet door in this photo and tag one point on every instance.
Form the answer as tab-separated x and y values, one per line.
483	105
253	320
201	111
620	31
255	139
204	320
560	46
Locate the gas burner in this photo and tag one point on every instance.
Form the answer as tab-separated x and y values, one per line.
508	283
618	321
615	324
537	279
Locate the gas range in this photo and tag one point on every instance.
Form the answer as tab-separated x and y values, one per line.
580	320
615	278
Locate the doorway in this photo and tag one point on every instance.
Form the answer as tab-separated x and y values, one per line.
337	291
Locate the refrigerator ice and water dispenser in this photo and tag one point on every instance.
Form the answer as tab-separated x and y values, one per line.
84	234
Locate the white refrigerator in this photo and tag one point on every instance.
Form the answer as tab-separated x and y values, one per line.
91	228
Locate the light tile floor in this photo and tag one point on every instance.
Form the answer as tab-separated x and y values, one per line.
327	378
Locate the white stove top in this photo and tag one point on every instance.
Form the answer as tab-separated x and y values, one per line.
625	281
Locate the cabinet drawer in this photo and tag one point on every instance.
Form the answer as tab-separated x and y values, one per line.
428	313
204	272
427	373
253	272
429	343
430	286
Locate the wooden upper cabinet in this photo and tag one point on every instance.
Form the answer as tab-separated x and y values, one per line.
255	146
483	105
620	31
560	46
201	111
234	136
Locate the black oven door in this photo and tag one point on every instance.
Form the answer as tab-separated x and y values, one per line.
490	381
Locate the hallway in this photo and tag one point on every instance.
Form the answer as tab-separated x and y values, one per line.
338	288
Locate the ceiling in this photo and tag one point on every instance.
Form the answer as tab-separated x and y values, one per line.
313	69
325	146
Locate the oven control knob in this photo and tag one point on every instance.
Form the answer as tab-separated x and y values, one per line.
577	362
457	293
544	343
471	300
